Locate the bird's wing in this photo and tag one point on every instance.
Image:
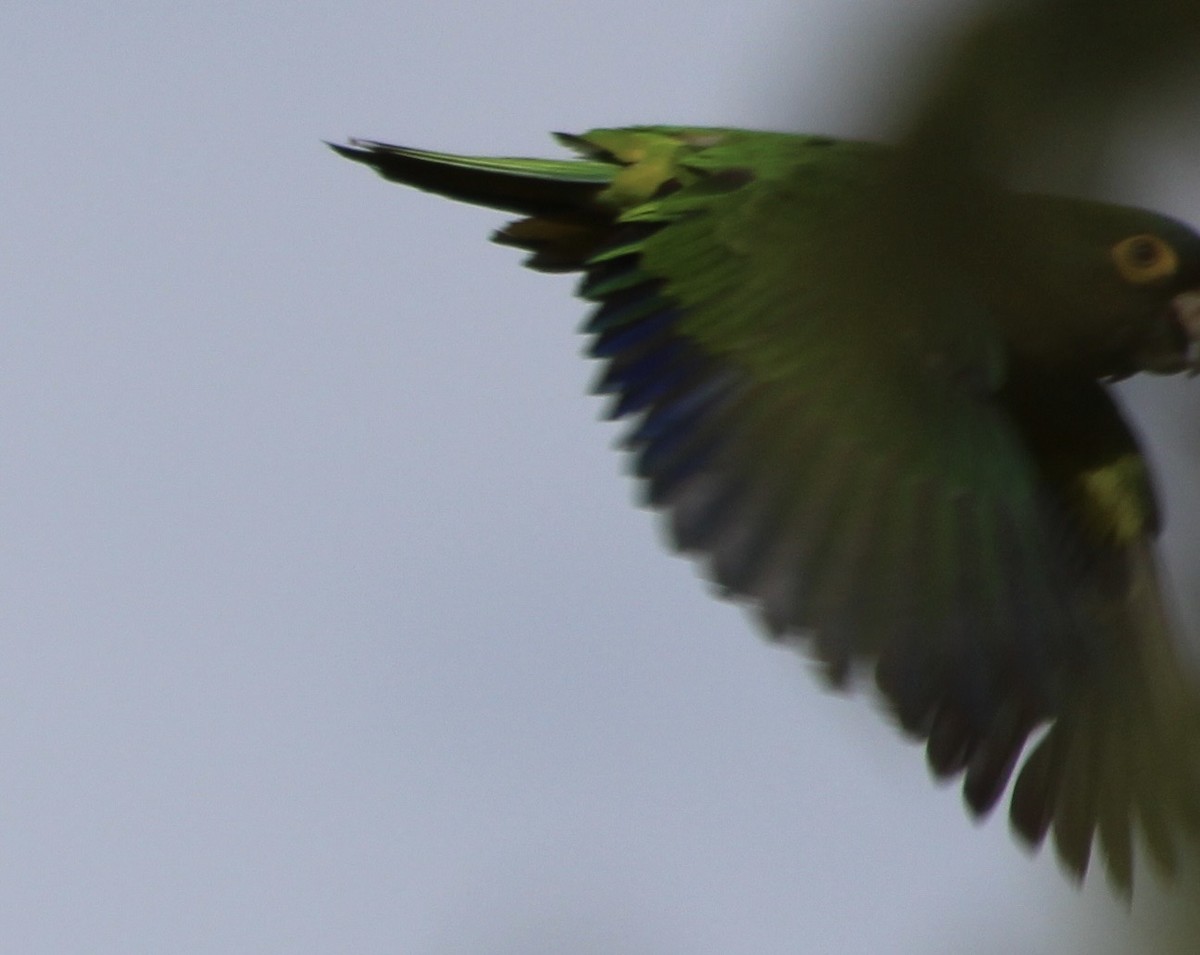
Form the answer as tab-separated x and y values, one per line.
818	405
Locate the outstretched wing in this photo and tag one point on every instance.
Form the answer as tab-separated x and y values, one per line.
816	402
820	406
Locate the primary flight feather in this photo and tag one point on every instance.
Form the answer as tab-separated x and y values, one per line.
877	410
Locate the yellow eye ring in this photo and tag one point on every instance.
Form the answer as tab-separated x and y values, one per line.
1144	258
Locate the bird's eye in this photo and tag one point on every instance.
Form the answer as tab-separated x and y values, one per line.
1144	258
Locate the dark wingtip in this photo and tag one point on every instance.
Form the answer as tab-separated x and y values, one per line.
951	743
1031	806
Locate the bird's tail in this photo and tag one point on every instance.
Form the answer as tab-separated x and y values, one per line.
563	200
531	187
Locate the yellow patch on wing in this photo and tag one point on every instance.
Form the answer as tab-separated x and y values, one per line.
1115	499
650	159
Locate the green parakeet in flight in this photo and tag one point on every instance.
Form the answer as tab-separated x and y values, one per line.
879	414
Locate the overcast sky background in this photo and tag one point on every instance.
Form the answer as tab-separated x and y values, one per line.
326	622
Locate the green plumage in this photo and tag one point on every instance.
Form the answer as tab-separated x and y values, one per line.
882	422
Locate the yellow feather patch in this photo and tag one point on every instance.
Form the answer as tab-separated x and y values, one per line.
1115	500
650	159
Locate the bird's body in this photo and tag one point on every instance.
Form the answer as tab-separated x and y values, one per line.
884	424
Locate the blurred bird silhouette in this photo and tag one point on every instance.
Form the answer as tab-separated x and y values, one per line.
868	387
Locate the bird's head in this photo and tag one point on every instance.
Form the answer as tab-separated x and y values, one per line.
1107	290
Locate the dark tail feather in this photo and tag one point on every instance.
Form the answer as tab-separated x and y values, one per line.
555	189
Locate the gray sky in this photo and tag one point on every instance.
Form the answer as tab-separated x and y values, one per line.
327	623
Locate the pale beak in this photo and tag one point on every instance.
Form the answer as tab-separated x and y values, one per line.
1185	309
1172	344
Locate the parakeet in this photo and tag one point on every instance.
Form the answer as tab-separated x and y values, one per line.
877	409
